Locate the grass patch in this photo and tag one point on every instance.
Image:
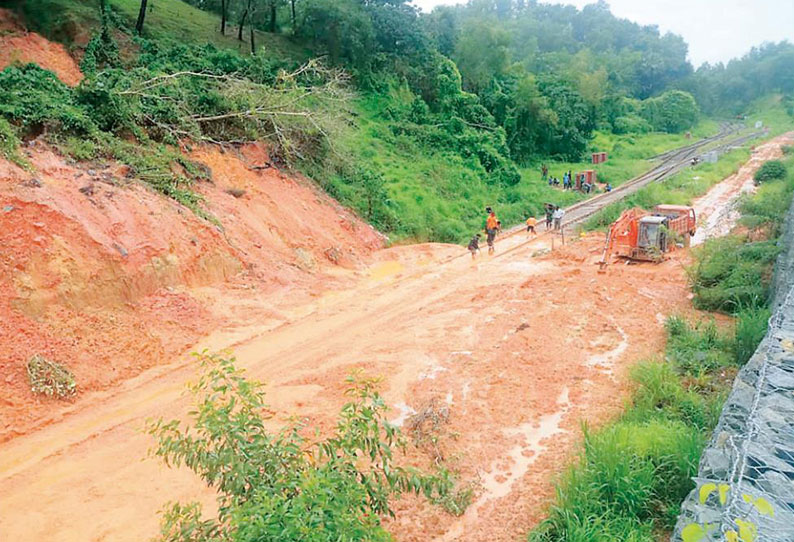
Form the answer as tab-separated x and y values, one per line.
73	21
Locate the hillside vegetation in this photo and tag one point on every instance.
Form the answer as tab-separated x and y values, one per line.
417	121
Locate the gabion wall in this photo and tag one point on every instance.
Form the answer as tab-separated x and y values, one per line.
745	486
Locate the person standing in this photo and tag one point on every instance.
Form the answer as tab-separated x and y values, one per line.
531	222
474	246
544	171
491	227
557	216
549	216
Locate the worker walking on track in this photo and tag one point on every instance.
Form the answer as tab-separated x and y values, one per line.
491	227
549	215
531	222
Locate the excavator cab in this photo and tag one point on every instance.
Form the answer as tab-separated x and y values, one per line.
652	238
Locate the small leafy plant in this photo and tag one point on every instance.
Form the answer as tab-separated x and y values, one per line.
770	171
282	485
50	378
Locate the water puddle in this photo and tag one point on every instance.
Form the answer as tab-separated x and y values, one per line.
405	413
499	482
605	362
384	270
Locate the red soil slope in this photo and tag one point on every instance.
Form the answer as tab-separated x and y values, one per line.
101	274
19	45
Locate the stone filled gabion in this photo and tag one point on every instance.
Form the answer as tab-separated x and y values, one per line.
745	486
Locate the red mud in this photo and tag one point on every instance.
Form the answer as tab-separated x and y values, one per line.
101	279
19	45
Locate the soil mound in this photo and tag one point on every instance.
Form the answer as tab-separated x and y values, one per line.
19	45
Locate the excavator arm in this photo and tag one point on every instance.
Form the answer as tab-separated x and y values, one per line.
622	232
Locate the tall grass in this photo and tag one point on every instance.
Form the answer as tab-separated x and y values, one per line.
631	476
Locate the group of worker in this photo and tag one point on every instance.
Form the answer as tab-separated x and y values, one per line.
493	226
568	181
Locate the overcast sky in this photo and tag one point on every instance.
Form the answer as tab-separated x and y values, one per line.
716	30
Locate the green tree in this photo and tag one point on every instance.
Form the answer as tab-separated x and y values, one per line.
673	111
481	53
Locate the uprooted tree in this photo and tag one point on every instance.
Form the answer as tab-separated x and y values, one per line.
282	485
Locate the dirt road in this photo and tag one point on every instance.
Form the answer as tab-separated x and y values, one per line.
717	209
521	347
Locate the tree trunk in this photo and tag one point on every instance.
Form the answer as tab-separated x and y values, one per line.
141	17
242	24
272	15
223	16
294	24
253	47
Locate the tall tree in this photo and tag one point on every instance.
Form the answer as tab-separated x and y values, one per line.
251	28
292	5
242	20
224	10
141	17
273	6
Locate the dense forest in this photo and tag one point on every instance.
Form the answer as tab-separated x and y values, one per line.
485	88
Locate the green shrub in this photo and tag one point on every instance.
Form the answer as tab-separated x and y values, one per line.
695	348
9	144
730	274
770	171
50	378
280	485
34	100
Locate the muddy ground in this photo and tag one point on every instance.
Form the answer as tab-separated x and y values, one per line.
120	284
522	346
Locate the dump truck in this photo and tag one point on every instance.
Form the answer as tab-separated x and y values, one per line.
647	236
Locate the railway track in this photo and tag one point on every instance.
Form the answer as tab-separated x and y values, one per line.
671	163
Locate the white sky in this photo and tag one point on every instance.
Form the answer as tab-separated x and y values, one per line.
716	30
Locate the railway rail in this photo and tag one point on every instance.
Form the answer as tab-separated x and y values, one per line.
671	163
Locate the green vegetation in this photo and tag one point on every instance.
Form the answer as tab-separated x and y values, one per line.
51	379
9	143
769	171
733	273
731	88
632	475
730	273
283	485
674	111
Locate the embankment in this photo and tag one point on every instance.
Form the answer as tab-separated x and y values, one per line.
107	277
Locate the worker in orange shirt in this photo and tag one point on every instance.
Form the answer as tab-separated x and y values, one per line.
531	222
491	227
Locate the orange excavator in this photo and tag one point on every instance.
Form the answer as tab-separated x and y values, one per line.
647	235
